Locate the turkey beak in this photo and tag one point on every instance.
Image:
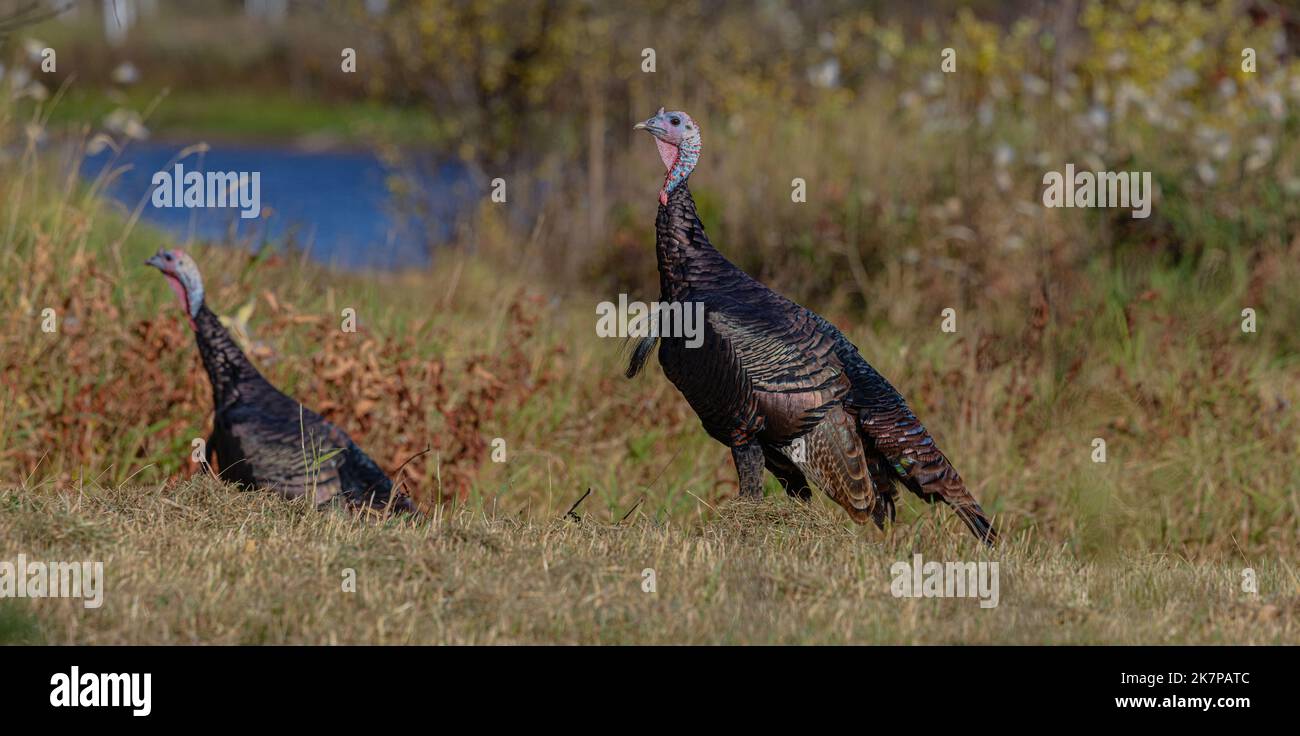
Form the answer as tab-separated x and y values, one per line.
649	127
156	261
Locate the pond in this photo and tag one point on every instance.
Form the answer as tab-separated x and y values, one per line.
335	205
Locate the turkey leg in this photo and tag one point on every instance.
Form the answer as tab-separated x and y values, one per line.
749	467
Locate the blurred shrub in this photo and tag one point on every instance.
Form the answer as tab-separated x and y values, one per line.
936	178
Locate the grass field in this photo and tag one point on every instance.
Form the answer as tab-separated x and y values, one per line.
196	563
251	116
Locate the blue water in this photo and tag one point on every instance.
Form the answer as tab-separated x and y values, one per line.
334	205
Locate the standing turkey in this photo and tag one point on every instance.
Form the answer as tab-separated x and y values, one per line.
261	438
776	383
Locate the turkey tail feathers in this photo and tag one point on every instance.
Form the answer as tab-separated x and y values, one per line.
976	520
641	351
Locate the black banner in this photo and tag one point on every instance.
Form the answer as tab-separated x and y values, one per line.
245	685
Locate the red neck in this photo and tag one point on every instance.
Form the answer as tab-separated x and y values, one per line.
668	153
182	296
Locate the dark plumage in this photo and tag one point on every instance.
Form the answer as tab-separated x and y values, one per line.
770	372
262	438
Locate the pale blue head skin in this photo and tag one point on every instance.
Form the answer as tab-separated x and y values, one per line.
183	276
677	136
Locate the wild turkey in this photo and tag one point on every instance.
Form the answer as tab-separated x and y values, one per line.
769	373
261	438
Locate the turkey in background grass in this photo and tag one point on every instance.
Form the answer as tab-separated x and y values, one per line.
262	438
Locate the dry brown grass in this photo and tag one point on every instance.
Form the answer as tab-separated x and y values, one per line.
197	563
